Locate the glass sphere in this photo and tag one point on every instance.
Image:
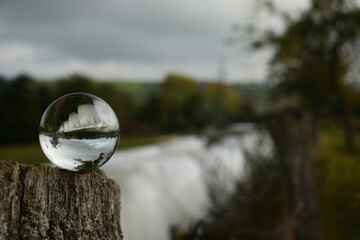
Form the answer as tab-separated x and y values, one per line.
79	132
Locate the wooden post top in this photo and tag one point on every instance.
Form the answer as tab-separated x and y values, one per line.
44	202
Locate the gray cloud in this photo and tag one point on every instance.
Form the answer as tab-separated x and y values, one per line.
157	34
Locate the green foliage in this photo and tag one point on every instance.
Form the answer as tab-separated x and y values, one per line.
314	56
309	59
74	83
179	103
166	107
220	103
120	101
20	113
137	91
260	207
23	101
336	173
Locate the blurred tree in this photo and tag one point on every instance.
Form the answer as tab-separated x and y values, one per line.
120	101
19	110
194	111
246	111
3	84
2	81
312	56
74	83
220	102
179	103
166	107
45	97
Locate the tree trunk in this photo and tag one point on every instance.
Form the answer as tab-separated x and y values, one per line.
349	133
43	202
288	135
336	76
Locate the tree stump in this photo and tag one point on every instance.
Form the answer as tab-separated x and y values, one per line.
43	202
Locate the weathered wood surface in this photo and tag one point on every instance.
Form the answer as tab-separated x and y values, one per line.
42	202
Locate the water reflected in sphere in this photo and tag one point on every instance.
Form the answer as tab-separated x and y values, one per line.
79	132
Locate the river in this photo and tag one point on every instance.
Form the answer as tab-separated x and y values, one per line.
168	184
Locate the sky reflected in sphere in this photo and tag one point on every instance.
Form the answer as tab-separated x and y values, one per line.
79	132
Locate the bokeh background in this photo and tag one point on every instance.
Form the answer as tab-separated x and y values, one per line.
286	71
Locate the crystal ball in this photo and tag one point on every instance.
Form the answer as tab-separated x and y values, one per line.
79	132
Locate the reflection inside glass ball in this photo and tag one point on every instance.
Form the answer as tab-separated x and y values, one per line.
79	132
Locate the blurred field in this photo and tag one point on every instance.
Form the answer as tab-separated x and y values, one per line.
31	153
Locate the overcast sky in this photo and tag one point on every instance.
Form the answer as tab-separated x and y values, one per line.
137	39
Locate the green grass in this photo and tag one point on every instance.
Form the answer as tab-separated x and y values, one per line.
337	174
24	153
31	153
136	141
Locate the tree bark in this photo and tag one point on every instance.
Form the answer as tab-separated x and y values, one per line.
43	202
289	135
